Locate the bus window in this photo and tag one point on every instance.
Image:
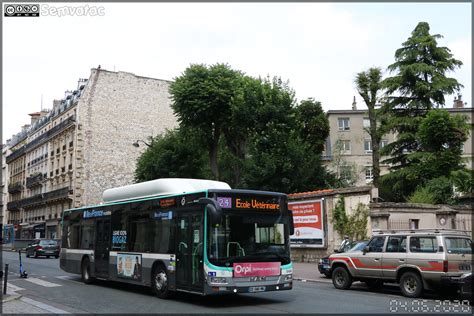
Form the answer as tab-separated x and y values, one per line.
87	234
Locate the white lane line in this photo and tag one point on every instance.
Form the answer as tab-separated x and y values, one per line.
13	287
69	278
42	282
47	307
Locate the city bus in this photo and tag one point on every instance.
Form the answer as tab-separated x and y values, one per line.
188	235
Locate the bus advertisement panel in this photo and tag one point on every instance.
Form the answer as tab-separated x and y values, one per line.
308	221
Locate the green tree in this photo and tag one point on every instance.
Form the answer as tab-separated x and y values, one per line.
202	99
369	86
314	125
176	154
440	137
419	84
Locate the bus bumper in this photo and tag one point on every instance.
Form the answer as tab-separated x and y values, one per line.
230	289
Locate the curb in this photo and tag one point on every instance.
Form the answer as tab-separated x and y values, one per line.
11	298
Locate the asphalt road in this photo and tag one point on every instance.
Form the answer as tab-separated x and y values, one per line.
48	284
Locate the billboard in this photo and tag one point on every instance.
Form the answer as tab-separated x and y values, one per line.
129	266
308	220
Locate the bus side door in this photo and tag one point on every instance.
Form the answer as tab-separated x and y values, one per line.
102	247
189	252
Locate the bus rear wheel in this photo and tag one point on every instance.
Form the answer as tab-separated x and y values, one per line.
159	282
86	271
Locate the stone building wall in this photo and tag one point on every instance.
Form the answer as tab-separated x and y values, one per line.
117	109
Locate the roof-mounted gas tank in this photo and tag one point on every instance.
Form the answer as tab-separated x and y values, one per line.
160	187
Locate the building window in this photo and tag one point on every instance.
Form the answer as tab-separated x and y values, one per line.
343	124
367	146
414	223
369	174
346	146
366	122
383	143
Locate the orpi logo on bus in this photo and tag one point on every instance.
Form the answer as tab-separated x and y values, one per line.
242	270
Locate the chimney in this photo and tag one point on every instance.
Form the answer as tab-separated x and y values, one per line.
458	102
34	117
354	104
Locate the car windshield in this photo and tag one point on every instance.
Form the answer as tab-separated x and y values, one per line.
47	243
458	245
248	238
358	246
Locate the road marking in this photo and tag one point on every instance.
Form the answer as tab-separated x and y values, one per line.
42	282
47	307
13	287
71	278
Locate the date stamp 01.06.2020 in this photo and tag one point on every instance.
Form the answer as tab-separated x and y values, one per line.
430	306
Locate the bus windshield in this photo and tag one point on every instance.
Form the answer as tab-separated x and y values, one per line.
248	238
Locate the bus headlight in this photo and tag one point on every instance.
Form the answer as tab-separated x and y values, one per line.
289	277
218	280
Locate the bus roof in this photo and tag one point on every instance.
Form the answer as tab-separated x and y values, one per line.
160	187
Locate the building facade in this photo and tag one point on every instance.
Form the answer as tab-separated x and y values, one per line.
69	155
348	149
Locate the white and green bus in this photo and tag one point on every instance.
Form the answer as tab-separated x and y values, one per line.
187	235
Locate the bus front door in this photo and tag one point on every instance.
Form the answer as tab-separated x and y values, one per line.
189	256
102	244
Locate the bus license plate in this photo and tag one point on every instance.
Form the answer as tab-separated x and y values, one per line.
254	289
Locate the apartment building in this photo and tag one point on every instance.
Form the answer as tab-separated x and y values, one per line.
70	154
348	150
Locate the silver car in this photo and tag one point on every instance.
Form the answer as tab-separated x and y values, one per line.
417	260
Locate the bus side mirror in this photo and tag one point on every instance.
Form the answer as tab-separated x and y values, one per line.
214	210
292	224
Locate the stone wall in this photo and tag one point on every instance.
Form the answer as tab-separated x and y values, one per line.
117	108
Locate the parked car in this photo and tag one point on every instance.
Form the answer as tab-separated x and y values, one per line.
324	265
417	260
43	247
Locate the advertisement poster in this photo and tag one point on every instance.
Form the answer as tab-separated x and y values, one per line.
308	220
129	266
244	269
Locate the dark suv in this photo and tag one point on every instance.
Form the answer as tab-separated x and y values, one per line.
43	247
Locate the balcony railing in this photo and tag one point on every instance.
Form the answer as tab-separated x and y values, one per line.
15	187
14	155
34	180
62	193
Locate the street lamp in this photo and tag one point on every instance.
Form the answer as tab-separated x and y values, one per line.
136	144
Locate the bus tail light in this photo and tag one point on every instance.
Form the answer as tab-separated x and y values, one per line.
445	266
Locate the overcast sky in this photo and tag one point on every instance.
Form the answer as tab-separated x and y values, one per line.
318	47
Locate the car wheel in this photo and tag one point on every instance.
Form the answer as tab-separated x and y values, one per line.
56	256
374	285
159	282
411	284
86	272
47	257
341	278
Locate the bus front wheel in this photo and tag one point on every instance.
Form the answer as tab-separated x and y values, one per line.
86	272
159	282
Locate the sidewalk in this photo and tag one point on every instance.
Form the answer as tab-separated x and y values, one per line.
308	272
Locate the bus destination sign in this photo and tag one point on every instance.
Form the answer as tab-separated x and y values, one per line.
247	203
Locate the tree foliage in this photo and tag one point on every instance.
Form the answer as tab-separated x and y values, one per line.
176	154
353	225
202	99
419	84
254	132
